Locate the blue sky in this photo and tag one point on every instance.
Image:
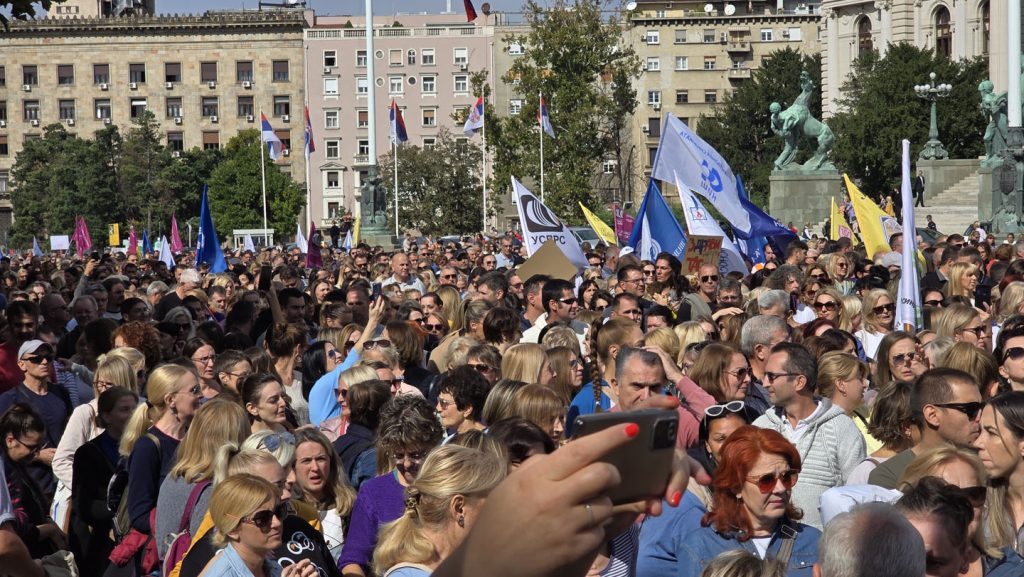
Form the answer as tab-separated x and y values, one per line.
337	7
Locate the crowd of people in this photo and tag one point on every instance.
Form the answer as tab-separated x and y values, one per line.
414	412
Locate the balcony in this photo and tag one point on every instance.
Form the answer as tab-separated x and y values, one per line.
739	74
740	47
361	160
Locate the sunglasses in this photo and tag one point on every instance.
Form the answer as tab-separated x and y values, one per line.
933	303
38	359
884	308
1014	353
719	410
978	331
480	367
709	278
343	393
771	377
741	373
826	306
333	353
264	519
766	483
649	272
382	343
904	358
567	301
274	442
819	277
969	409
712	336
433	327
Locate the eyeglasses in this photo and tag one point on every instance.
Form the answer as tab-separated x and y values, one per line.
207	360
444	404
343	393
382	343
976	495
273	442
741	373
969	409
240	376
332	353
978	331
264	519
1014	353
709	278
567	301
448	276
32	449
766	483
770	377
904	358
884	309
820	277
433	327
103	385
719	410
416	457
639	280
38	359
826	305
480	367
934	302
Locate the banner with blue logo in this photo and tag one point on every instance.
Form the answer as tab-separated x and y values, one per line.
656	228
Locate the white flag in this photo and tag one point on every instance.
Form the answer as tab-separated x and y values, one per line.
300	239
699	222
541	225
165	253
247	244
908	298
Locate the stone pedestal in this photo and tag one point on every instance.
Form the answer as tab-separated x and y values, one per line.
800	197
940	175
388	241
989	199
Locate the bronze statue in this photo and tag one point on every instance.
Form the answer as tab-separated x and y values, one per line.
789	124
993	108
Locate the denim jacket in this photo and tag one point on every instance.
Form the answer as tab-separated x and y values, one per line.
1010	565
227	563
701	546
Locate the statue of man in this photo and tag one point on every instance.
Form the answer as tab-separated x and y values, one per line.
993	109
785	130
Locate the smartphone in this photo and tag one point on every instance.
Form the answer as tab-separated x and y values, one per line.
645	461
95	255
266	275
794	302
982	295
374	292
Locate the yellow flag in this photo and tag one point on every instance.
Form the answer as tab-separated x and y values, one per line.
114	235
355	232
875	225
840	228
602	229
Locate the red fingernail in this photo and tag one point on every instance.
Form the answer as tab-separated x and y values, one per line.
676	497
632	430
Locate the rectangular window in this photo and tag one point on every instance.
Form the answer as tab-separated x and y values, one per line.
331	119
710	96
767	35
682	63
208	72
682	96
429	142
333	179
429	117
653	37
246	107
360	59
396	85
138	106
100	73
653	64
515	48
211	140
410	57
362	119
137	73
102	106
462	84
29	75
65	74
3	76
330	58
331	86
654	127
31	109
3	145
652	153
286	138
653	97
428	84
709	35
243	71
515	106
395	57
427	55
176	141
209	106
680	37
66	108
174	108
794	34
363	147
280	68
172	72
461	56
282	105
608	166
332	209
3	110
332	148
710	62
361	86
4	181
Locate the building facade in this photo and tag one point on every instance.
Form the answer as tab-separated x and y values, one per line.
204	77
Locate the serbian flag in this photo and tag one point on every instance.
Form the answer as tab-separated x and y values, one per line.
269	137
544	120
176	244
475	119
397	132
470	10
310	148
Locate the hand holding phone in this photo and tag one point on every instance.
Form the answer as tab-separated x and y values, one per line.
266	275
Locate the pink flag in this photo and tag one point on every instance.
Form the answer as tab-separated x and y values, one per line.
176	244
313	258
623	224
77	237
133	241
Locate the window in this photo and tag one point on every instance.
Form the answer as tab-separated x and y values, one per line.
280	68
208	72
29	75
396	85
65	74
174	108
865	43
682	96
515	48
515	106
986	32
767	35
794	34
461	56
362	119
3	145
4	179
943	32
3	110
332	148
246	107
331	86
100	73
282	105
332	179
286	138
330	58
427	55
361	86
3	76
410	57
682	63
654	127
429	116
332	209
428	84
363	147
172	72
659	13
709	62
608	166
652	153
653	37
211	140
710	96
680	37
137	107
462	84
102	106
31	109
709	35
66	109
176	141
331	119
429	142
137	73
653	64
209	105
360	59
243	71
395	57
653	97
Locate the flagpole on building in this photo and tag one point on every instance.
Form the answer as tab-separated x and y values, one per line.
263	186
540	96
394	149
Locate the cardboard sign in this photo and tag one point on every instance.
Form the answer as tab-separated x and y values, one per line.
701	250
550	260
59	242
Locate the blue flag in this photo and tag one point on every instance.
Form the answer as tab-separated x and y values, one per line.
36	251
764	229
656	228
147	247
207	246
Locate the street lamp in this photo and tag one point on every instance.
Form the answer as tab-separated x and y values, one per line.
933	149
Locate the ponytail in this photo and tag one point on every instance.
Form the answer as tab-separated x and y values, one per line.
142	419
404	539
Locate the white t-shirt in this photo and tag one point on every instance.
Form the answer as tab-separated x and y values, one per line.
761	543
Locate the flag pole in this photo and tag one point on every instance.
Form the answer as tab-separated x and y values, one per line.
483	156
305	126
540	96
394	148
263	186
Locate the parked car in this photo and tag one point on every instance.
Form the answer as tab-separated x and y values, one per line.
585	234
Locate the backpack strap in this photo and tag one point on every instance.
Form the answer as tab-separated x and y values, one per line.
788	542
190	505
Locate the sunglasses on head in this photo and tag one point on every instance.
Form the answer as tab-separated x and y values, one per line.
382	343
264	518
718	410
274	442
767	483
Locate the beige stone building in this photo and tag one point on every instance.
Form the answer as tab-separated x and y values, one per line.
204	77
696	53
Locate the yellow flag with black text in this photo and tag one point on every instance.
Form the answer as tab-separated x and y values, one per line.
875	225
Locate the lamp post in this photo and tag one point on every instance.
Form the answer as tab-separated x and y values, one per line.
932	92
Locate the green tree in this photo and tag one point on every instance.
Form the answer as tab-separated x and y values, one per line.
181	184
879	109
575	58
439	187
143	159
235	190
24	10
738	128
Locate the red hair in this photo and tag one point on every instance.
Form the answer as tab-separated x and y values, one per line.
739	454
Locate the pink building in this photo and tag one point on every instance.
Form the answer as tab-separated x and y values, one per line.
422	61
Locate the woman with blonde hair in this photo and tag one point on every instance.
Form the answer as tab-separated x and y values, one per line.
853	306
828	305
963	279
730	327
840	271
568	367
960	322
689	332
879	315
977	362
440	507
321	483
665	339
542	407
843	379
527	362
722	371
450	301
1010	302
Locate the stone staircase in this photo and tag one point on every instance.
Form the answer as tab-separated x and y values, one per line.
953	209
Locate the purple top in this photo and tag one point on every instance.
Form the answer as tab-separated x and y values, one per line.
380	500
